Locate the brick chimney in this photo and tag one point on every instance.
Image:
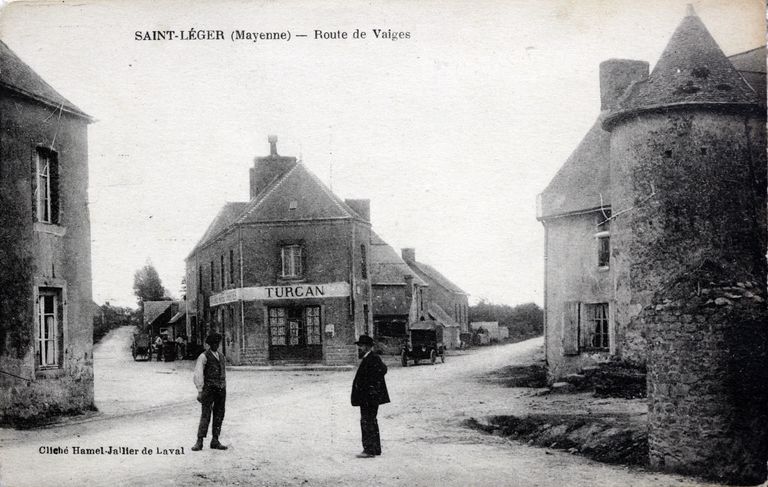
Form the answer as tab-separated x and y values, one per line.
409	255
267	169
615	77
408	278
361	207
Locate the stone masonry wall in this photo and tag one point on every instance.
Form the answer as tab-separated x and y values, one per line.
689	202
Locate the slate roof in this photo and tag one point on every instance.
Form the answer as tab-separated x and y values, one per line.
692	70
436	312
751	65
153	309
583	180
17	76
313	201
387	268
431	273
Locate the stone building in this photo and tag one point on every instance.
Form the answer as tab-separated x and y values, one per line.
440	300
285	276
655	231
395	295
46	328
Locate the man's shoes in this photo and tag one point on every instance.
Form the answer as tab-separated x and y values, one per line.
365	454
199	445
215	445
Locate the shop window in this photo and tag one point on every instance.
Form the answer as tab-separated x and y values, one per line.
292	256
46	186
49	333
313	325
277	326
586	327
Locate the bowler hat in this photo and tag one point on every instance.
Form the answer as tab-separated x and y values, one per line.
364	340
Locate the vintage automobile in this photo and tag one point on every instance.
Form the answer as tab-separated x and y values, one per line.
141	347
425	342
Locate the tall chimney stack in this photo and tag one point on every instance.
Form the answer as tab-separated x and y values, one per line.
267	169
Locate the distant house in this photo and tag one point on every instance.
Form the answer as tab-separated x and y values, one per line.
440	299
491	329
395	290
46	361
165	318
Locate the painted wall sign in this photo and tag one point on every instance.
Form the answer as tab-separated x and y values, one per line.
294	291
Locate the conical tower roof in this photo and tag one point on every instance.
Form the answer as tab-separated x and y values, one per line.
692	70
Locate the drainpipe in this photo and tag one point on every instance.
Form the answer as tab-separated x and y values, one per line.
242	306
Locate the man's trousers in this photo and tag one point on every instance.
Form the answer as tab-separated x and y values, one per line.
369	427
213	401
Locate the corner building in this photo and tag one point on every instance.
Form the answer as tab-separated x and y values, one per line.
283	277
46	327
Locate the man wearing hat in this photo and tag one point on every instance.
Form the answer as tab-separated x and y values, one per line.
210	378
369	390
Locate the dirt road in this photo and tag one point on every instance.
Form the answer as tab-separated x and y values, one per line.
297	428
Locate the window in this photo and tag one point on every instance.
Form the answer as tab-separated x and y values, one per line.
213	276
291	258
277	326
363	263
221	276
231	266
48	328
313	325
603	237
46	191
597	326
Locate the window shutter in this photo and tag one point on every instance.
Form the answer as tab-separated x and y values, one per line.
302	261
33	179
54	175
570	328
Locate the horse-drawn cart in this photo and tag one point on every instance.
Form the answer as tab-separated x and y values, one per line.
141	347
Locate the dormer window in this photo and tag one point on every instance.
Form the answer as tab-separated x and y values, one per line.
291	256
293	205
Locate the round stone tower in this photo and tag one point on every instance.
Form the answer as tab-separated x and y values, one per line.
688	178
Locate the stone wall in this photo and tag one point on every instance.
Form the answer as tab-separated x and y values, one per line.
56	255
690	232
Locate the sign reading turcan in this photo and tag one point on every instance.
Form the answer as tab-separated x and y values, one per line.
292	291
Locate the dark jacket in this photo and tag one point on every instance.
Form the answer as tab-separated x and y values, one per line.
369	387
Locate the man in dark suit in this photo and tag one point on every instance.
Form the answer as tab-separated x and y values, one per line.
369	390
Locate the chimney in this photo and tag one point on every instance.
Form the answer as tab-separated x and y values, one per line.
361	207
615	77
267	169
409	255
408	278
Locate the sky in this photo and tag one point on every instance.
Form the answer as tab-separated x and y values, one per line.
451	133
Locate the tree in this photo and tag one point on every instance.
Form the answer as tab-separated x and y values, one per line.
147	285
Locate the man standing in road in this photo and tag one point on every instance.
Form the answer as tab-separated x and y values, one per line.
211	382
369	390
